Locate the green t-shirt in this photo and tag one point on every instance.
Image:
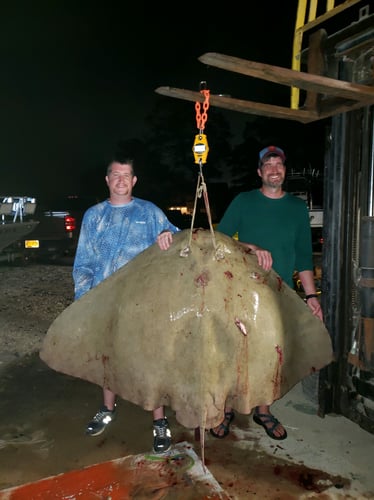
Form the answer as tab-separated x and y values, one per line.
279	225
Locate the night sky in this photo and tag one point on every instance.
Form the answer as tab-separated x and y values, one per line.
78	76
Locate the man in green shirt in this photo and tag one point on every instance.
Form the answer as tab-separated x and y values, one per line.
275	226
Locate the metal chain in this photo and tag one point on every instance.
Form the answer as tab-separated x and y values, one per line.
201	118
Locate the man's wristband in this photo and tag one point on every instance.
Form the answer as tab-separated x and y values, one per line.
310	296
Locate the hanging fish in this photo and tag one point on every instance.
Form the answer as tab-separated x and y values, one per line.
194	328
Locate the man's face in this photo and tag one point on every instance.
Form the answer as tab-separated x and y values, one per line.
121	179
272	172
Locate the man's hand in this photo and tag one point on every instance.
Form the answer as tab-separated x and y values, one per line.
264	258
315	306
164	240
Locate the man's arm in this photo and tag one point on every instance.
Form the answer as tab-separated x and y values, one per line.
82	268
307	280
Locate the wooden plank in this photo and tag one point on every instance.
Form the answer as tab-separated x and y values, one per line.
285	76
328	107
249	107
333	106
316	66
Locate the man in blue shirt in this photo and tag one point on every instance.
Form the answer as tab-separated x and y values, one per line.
112	233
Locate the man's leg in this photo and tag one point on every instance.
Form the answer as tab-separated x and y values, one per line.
109	399
161	431
104	416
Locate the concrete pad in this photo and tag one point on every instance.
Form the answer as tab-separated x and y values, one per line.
43	415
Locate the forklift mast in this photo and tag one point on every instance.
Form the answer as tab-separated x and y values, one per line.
345	53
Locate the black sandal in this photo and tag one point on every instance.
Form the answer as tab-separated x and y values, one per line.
264	419
225	425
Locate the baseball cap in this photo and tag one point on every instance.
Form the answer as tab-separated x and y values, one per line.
271	150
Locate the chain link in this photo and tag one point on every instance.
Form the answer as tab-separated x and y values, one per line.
201	118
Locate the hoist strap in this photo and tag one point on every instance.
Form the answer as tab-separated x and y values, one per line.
202	189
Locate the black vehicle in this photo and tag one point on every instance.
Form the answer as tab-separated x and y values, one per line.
16	221
57	233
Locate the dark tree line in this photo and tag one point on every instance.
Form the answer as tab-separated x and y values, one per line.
165	163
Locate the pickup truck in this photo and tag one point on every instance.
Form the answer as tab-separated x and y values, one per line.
56	234
16	221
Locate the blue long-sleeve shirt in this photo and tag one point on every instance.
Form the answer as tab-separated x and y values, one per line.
112	235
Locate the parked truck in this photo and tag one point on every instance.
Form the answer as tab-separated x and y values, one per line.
54	230
17	221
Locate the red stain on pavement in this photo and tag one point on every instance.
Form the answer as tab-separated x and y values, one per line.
121	479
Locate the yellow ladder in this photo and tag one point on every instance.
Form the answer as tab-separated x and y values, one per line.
307	19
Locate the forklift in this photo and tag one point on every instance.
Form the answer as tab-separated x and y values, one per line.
331	79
